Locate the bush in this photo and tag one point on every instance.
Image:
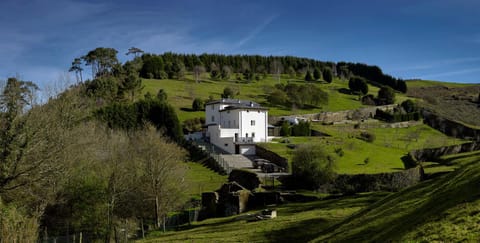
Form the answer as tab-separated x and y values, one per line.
245	178
339	152
228	93
368	137
198	104
386	96
312	167
285	130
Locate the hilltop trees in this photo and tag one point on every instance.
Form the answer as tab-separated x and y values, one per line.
317	74
102	60
77	68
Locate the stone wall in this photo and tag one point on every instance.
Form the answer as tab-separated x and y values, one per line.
338	116
272	157
433	154
451	128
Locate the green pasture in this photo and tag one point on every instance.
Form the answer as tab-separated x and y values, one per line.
181	94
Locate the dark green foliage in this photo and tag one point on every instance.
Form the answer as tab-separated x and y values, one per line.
397	115
198	104
367	136
301	95
409	106
102	60
327	75
103	87
358	85
137	115
245	178
303	128
374	75
317	74
368	100
193	125
312	167
162	95
228	93
386	96
277	97
285	129
308	76
153	67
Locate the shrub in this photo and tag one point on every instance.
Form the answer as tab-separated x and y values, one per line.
339	152
228	93
245	178
312	167
367	136
198	104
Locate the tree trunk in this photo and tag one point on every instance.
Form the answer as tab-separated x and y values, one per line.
157	216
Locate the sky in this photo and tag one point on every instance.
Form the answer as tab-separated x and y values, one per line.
434	39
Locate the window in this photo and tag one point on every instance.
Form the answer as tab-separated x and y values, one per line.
252	122
213	107
229	124
253	134
213	118
246	135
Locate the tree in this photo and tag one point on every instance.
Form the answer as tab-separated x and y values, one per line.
312	166
163	172
132	84
358	84
197	104
327	75
317	74
214	71
386	95
277	97
178	69
276	69
162	95
226	72
409	106
102	60
308	76
291	72
135	51
228	93
197	72
77	68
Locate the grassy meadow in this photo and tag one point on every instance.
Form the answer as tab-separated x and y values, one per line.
382	155
181	94
445	209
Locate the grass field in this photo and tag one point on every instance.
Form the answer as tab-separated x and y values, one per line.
443	209
181	94
202	179
296	222
429	83
384	154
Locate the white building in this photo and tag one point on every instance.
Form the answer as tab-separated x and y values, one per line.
236	125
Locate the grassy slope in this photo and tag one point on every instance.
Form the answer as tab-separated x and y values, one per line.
181	94
296	222
444	209
384	153
202	179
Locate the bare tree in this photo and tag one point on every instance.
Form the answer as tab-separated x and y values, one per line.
197	72
276	69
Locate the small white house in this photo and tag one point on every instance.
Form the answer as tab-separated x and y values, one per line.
236	125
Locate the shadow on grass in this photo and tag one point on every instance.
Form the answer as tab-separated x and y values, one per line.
302	231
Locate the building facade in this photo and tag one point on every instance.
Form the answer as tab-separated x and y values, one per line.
236	125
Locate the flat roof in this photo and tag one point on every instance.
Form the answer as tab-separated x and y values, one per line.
237	103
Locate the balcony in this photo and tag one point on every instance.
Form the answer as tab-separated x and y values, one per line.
243	140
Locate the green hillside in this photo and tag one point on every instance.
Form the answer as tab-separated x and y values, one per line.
181	94
443	209
446	208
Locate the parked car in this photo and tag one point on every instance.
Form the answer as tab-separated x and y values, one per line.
259	162
271	168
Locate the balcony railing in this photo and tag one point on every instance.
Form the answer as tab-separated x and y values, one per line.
244	140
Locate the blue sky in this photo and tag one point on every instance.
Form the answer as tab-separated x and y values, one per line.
437	39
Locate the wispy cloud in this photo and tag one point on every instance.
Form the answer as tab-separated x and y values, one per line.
256	31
